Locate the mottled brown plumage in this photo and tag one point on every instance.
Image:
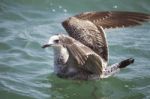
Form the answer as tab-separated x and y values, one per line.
88	34
113	19
82	54
88	27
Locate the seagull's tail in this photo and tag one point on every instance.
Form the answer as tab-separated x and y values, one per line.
111	70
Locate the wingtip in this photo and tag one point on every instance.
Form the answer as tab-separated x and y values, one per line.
126	62
131	60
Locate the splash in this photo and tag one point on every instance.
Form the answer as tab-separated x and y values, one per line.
57	8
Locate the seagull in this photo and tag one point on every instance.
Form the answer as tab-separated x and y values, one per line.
83	54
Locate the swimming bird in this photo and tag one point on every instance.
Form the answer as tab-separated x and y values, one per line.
83	54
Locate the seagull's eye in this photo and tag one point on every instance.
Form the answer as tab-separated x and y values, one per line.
56	41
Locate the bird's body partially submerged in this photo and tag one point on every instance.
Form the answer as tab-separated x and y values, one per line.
74	60
79	57
84	55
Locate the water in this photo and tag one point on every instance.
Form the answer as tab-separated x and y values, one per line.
26	70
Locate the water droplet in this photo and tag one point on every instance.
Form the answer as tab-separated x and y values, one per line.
126	86
115	6
53	10
65	10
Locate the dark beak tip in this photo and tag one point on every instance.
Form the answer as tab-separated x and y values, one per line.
46	45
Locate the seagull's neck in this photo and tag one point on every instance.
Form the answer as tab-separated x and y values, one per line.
61	56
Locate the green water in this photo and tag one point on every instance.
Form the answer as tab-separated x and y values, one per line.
26	70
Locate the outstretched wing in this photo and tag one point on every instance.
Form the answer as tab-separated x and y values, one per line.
89	34
88	27
83	54
114	19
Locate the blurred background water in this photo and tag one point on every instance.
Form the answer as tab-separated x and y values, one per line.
26	70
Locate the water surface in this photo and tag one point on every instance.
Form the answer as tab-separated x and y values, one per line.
26	70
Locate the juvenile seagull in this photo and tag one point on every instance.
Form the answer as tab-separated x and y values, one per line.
84	53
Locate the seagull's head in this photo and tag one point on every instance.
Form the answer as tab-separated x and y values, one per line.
53	41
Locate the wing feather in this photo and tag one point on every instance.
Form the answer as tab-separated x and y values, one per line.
87	33
83	55
88	27
112	19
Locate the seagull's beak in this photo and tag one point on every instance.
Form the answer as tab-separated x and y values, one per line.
46	45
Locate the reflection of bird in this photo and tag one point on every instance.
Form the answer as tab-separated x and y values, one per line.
84	53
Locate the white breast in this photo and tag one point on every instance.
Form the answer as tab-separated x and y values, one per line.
62	53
